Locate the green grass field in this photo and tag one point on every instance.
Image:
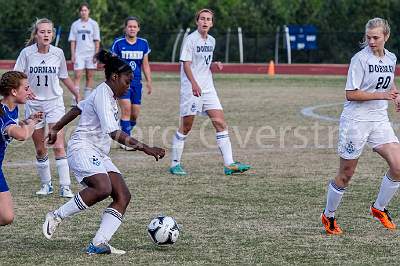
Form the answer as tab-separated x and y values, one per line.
270	215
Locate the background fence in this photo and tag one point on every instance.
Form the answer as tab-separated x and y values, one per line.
258	47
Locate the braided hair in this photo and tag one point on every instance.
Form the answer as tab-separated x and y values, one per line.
112	64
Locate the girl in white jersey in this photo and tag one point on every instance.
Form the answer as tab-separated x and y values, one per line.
198	95
364	120
84	37
88	151
45	65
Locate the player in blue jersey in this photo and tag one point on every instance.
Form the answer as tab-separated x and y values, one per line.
15	90
135	52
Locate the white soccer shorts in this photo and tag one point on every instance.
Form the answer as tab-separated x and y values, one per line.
84	62
52	110
353	135
192	105
87	162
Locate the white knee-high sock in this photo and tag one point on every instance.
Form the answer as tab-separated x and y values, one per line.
178	142
333	199
224	145
110	223
386	192
43	168
73	206
63	171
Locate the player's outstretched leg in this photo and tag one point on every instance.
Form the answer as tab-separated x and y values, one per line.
54	218
50	224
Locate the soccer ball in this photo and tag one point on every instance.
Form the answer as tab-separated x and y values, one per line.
163	230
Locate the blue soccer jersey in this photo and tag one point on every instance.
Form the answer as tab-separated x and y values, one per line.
132	54
8	118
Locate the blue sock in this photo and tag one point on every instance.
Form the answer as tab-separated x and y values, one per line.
126	126
133	124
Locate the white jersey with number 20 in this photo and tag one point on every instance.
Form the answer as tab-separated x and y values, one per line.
369	73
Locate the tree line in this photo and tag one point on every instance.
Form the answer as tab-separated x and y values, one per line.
340	24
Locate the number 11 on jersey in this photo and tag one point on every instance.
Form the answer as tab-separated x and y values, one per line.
45	81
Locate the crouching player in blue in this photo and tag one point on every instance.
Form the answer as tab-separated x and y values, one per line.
133	51
87	155
15	90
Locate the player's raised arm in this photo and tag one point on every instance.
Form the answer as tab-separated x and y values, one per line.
25	128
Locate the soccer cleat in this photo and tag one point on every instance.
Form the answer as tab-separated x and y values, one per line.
45	189
124	147
331	226
66	192
177	170
236	167
50	224
103	248
383	217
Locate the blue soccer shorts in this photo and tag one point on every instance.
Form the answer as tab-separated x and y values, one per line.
134	93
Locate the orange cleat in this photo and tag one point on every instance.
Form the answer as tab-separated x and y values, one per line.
383	217
331	227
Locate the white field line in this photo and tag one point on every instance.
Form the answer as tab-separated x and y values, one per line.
309	112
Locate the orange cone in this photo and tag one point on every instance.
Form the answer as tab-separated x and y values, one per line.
271	68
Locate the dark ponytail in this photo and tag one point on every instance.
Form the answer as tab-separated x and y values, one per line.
112	64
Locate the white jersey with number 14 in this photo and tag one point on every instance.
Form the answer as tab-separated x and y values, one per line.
199	51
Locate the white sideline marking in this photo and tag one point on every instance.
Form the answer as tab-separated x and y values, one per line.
309	112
